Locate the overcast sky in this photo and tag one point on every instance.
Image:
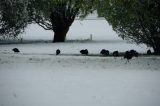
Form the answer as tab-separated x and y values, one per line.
100	30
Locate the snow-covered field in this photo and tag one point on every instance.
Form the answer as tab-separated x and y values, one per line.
37	77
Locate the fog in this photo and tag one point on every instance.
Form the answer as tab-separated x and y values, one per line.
80	30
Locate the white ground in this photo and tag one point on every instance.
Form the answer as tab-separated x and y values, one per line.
37	77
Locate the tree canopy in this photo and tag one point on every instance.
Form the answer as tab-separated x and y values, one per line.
56	15
13	17
134	20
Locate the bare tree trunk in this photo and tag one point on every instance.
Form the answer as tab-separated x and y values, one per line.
157	50
60	34
61	19
156	47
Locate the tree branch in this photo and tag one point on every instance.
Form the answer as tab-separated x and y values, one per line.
44	26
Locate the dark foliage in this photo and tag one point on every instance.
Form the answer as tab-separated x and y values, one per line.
13	17
134	20
55	15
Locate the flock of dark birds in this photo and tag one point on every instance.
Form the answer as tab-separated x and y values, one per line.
127	55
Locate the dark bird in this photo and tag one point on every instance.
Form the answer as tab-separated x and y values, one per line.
134	53
128	55
115	53
16	50
104	52
58	52
84	51
149	52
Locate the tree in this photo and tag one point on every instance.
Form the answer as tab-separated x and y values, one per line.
134	20
13	17
56	15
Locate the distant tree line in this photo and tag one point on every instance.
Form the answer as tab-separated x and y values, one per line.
134	20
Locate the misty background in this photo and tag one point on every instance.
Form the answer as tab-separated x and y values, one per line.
81	29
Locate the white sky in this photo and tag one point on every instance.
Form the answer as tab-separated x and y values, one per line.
100	29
